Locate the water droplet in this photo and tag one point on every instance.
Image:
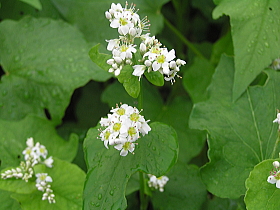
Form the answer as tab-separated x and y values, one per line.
26	94
149	144
4	92
154	148
97	204
266	44
17	58
112	192
99	196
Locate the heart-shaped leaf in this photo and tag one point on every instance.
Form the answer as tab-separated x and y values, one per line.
109	172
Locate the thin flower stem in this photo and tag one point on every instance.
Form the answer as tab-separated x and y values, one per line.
143	198
183	39
276	144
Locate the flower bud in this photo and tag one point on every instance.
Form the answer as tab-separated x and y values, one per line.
143	48
108	15
148	63
118	60
110	61
276	164
132	31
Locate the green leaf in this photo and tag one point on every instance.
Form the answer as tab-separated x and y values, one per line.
16	9
109	172
82	13
13	136
67	185
100	59
34	3
35	77
197	78
260	193
7	202
155	77
255	32
115	93
176	114
184	190
130	83
241	133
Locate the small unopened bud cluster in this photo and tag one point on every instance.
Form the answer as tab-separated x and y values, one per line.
42	184
123	128
154	57
274	177
157	183
33	155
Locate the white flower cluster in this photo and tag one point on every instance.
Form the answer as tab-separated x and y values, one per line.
154	57
122	128
42	185
157	183
33	155
275	64
274	177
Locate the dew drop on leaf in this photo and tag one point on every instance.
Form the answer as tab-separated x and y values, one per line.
17	58
154	148
112	192
99	196
4	92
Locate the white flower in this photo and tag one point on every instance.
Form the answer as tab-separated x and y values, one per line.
122	128
112	43
43	177
157	183
123	22
138	70
276	64
40	150
277	120
162	61
49	162
272	180
125	147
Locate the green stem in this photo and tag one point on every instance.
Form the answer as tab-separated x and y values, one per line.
183	39
143	197
276	144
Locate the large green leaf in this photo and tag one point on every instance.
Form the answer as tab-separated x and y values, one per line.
89	16
241	133
255	27
176	114
67	185
261	194
184	190
44	62
7	202
34	3
16	9
109	172
13	136
197	78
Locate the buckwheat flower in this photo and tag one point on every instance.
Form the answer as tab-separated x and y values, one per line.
48	162
40	150
125	148
43	177
274	177
138	70
162	61
29	149
112	43
277	120
122	128
123	22
157	183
